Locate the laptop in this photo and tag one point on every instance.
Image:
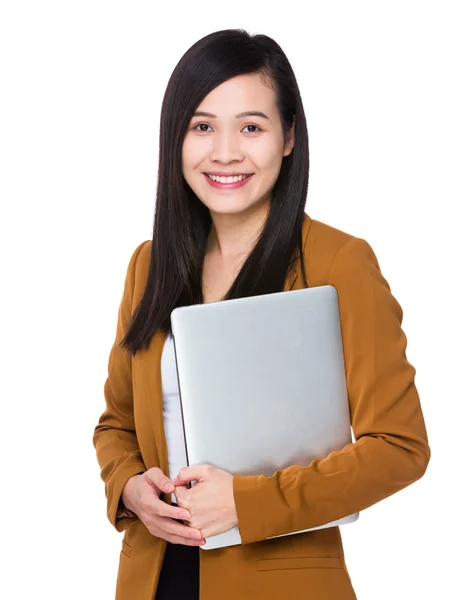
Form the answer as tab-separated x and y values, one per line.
262	384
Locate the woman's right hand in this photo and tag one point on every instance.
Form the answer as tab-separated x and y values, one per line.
141	495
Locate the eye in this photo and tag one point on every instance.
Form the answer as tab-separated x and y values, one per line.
258	128
202	125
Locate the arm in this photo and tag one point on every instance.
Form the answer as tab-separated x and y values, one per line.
391	450
114	437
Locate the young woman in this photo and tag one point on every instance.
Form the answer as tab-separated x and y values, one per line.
230	222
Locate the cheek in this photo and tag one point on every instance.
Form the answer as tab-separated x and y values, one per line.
269	168
267	157
193	153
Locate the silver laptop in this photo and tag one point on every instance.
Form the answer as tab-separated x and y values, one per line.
262	384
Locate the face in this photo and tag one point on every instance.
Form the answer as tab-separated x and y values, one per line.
224	140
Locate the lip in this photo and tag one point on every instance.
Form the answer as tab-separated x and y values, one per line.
221	174
228	186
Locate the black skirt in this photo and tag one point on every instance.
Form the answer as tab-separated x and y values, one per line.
179	577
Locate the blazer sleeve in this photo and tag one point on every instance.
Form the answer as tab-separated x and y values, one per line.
114	438
391	448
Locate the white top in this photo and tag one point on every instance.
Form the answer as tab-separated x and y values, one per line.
173	422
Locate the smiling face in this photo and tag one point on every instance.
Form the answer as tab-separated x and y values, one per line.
239	134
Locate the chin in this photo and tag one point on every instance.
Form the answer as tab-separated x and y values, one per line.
234	208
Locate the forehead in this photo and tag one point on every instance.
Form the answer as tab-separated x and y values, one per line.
244	92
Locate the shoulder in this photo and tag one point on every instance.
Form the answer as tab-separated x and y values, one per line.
138	267
331	254
139	258
141	255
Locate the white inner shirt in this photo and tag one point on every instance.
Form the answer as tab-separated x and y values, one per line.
173	422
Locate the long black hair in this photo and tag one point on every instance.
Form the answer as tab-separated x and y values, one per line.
182	222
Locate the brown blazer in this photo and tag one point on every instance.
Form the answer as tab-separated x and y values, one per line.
390	452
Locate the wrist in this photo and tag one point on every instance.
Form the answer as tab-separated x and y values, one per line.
123	511
125	505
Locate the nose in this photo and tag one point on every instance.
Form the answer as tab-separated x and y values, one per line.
226	147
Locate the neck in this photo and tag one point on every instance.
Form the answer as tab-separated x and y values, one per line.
232	236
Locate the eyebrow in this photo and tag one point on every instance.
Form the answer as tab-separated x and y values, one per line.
247	113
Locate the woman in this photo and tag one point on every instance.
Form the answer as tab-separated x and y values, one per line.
233	109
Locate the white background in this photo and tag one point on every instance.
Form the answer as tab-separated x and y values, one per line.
81	91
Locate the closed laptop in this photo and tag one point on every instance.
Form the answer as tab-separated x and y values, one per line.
262	384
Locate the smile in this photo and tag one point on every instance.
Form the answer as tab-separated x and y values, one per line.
228	182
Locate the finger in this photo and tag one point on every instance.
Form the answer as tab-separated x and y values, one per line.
190	474
181	486
184	541
162	509
173	538
177	482
161	481
173	528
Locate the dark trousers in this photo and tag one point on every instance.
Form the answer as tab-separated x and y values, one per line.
179	577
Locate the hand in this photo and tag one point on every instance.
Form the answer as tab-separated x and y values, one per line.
141	496
210	502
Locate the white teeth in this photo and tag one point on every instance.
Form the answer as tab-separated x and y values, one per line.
227	179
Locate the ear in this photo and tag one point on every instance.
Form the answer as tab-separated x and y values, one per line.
290	140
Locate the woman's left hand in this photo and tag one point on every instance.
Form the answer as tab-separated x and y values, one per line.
210	502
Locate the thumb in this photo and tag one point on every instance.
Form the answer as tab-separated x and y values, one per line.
161	481
188	474
168	486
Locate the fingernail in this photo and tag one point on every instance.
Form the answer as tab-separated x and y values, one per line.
185	515
168	487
